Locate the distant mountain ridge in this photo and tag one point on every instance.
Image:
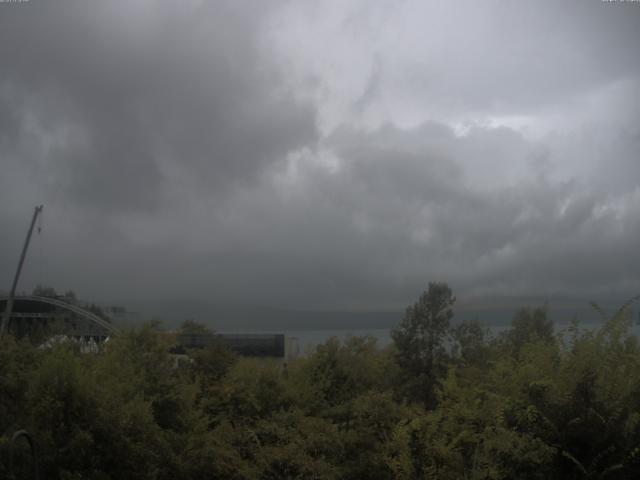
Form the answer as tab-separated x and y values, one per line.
495	311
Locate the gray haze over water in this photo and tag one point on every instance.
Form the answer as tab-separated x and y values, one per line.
322	156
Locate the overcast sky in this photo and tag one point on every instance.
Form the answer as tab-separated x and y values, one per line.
321	154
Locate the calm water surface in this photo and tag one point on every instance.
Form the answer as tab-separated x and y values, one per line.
308	339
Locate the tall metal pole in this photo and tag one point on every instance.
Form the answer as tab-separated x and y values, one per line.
12	294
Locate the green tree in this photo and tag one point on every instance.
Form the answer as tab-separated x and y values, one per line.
44	291
530	326
193	327
420	340
469	342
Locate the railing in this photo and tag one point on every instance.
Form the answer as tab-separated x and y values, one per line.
34	453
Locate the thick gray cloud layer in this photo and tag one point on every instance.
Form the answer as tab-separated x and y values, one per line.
333	154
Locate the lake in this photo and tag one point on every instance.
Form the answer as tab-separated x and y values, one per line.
308	339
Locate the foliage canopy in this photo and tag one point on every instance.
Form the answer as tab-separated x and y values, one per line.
531	404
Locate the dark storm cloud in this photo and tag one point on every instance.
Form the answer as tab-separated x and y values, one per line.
141	87
175	148
398	210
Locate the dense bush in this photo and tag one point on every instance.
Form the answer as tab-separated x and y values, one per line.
527	404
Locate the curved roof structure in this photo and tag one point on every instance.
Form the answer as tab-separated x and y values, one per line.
81	312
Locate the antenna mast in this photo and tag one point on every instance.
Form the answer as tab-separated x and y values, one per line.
12	294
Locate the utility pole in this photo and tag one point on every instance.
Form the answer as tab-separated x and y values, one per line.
9	308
